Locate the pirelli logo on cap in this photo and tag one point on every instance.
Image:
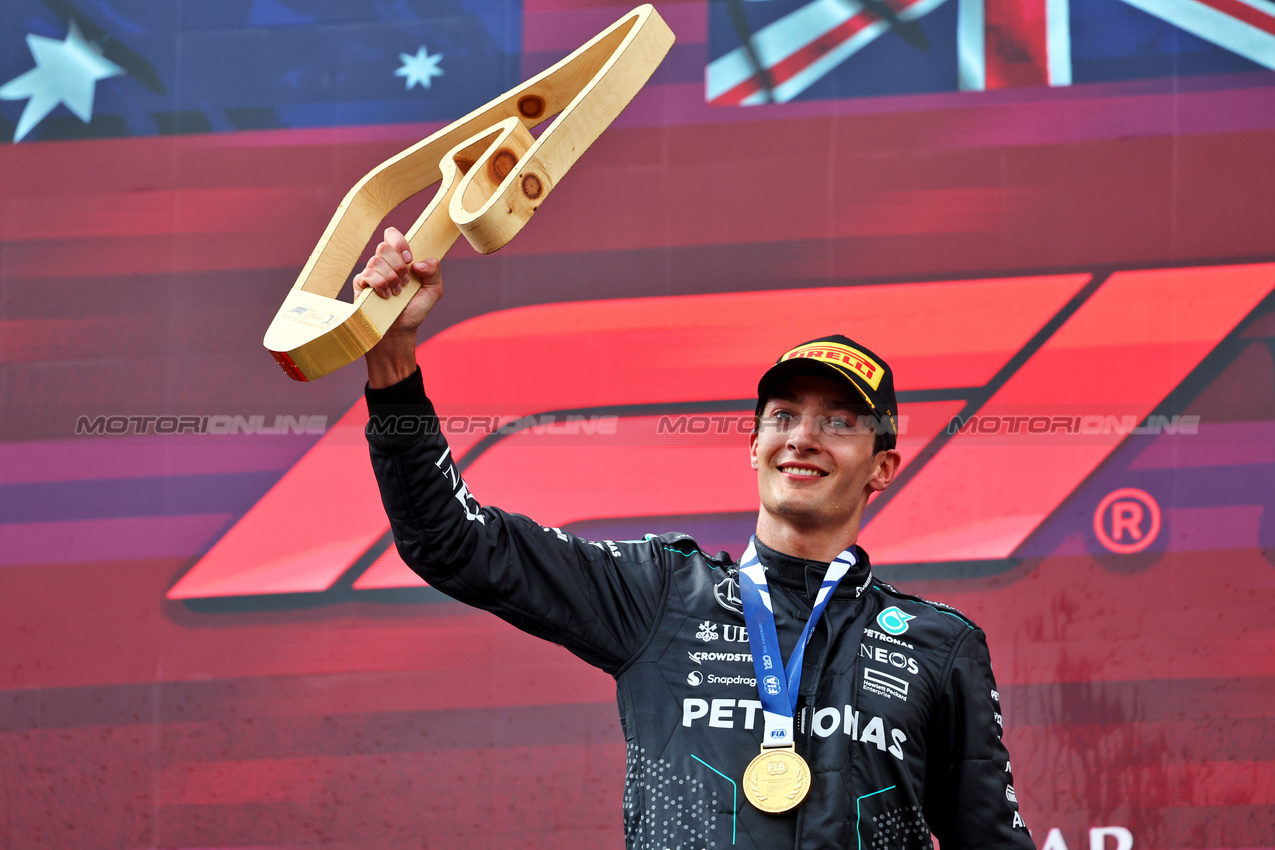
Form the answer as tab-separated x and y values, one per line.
843	357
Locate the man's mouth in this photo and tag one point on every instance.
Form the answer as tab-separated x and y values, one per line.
801	470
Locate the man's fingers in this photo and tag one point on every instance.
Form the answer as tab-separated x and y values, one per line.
381	277
368	278
398	242
429	271
391	260
387	269
391	266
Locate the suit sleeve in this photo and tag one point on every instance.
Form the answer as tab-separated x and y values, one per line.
598	599
970	797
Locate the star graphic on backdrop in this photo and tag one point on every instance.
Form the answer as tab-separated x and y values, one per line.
419	68
65	72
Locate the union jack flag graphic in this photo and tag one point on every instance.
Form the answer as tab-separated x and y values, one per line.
776	51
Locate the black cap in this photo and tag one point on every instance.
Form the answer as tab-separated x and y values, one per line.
842	359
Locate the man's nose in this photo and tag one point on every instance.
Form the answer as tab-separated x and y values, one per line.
805	434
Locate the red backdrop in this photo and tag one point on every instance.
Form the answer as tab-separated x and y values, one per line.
207	643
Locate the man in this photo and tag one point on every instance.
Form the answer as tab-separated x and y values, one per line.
790	700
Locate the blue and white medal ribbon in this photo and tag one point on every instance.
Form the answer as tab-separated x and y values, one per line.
778	685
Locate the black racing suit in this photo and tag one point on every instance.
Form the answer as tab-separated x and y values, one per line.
898	714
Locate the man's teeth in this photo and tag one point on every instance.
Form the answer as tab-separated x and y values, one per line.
792	470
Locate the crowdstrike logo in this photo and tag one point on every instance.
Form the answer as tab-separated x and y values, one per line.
701	657
894	621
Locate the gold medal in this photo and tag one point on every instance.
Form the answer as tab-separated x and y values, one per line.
777	780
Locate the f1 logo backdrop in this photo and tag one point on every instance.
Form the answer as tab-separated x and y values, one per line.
518	392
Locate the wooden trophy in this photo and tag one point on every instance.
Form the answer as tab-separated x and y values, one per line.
493	174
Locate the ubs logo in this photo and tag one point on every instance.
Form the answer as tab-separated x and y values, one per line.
731	634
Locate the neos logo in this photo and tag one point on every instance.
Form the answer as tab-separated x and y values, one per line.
894	621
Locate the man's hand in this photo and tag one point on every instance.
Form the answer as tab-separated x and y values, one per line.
394	357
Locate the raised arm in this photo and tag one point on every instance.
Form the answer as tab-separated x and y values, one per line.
598	599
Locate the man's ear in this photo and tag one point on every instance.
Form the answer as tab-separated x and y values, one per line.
887	466
752	447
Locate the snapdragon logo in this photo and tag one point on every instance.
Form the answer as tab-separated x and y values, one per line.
730	680
894	621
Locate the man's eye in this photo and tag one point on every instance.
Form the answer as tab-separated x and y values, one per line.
782	417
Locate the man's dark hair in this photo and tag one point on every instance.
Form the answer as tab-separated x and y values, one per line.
882	442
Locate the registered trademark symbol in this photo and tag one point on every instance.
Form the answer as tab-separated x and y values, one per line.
1127	520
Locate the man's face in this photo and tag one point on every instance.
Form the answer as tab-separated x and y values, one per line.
813	454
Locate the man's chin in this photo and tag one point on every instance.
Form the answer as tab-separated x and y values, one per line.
800	511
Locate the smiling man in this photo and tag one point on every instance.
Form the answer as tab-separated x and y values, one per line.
788	700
